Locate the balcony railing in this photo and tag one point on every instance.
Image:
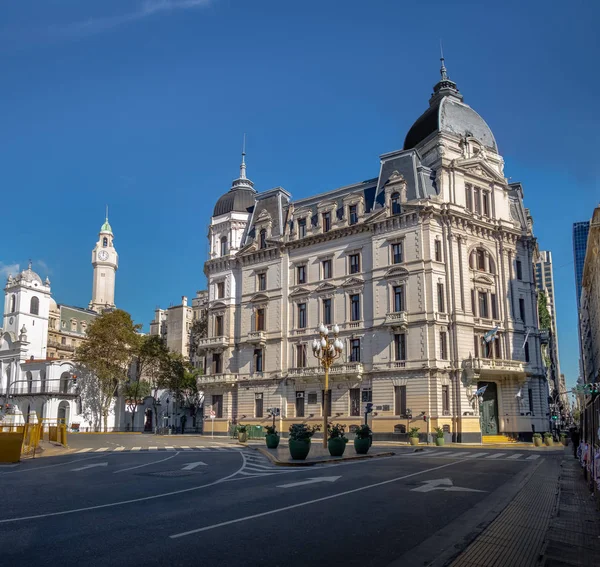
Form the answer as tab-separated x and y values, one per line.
348	368
219	379
396	319
257	337
213	342
37	388
60	346
495	365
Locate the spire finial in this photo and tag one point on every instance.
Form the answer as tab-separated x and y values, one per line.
443	71
30	263
106	213
243	166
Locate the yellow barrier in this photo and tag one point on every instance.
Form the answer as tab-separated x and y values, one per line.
11	441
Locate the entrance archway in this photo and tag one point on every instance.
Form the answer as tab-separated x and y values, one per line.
64	412
488	408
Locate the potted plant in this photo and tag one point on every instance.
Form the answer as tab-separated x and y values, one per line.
413	435
272	437
337	439
299	442
362	441
537	439
548	439
564	439
242	433
439	436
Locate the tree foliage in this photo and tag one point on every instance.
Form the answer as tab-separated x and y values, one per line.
544	314
198	331
107	354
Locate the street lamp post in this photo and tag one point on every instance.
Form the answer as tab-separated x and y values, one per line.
327	349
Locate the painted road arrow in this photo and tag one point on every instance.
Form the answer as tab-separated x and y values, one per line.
310	481
191	466
444	484
90	467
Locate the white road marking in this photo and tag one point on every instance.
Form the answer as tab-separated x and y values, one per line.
21	471
192	466
496	456
152	448
84	467
122	502
136	449
444	484
309	481
118	449
101	450
257	474
444	454
84	450
474	455
257	466
307	503
146	464
515	456
184	447
532	457
170	448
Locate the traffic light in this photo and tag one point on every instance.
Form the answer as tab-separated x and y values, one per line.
554	417
74	377
369	408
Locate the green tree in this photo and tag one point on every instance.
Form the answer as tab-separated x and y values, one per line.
134	392
193	396
174	372
544	314
112	340
198	331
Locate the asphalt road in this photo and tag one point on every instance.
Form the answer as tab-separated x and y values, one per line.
211	503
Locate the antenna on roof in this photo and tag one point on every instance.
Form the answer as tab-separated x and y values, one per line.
243	166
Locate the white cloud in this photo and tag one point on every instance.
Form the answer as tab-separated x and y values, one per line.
41	268
145	9
7	269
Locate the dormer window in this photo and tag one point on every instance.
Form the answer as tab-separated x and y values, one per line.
105	242
353	214
263	238
395	202
301	228
224	246
326	221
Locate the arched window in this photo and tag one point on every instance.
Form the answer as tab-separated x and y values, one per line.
224	246
13	303
105	242
263	238
395	199
34	306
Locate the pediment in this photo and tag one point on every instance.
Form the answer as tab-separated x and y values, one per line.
352	282
398	272
325	286
299	291
480	168
218	305
258	298
263	216
483	280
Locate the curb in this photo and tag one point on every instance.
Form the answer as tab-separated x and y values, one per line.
105	433
279	463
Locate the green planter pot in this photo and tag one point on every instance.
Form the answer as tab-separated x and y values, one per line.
548	441
299	449
537	441
361	446
565	441
272	441
337	446
439	441
243	437
414	440
370	440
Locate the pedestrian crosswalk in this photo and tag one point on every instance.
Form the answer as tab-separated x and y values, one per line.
465	455
186	448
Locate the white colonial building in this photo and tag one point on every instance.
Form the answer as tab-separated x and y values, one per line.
428	270
33	378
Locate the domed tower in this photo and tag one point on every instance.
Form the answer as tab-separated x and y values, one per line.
105	261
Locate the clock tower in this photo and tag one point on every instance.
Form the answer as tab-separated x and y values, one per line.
105	261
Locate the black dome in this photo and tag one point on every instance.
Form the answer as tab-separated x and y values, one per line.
236	200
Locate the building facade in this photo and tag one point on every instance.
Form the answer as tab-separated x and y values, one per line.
427	268
580	236
544	280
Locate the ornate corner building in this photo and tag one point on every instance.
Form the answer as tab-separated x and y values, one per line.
427	268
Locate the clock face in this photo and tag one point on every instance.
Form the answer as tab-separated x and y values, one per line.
103	255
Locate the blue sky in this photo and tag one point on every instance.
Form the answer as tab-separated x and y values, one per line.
142	105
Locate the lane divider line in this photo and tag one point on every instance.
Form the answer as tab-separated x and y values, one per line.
147	464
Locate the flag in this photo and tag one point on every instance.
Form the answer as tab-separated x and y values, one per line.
481	390
490	335
519	393
526	337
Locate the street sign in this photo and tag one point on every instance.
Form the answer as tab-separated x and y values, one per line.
213	415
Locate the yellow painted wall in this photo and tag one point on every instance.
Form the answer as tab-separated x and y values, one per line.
10	447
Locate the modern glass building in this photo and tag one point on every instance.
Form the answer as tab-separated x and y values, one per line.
580	235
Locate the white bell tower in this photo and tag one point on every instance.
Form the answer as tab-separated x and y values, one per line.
105	261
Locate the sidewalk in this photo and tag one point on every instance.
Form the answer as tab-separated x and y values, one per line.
552	522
